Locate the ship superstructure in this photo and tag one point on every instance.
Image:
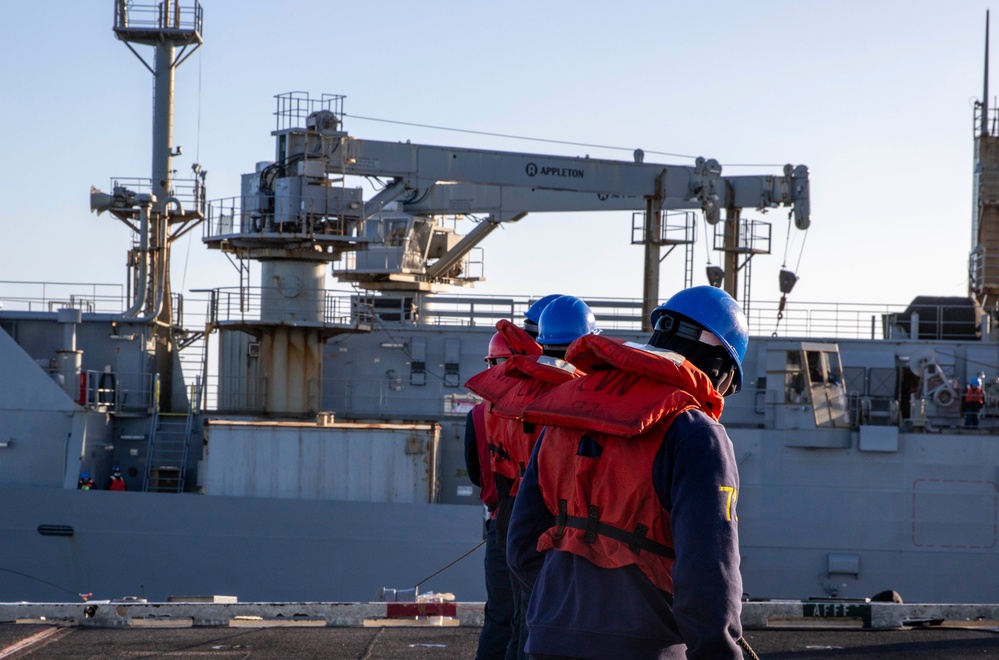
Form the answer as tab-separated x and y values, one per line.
321	456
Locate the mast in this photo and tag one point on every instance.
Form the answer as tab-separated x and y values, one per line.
173	29
985	86
983	266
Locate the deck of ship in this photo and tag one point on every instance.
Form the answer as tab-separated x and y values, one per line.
785	629
42	641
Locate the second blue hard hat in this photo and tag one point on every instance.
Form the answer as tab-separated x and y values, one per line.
564	320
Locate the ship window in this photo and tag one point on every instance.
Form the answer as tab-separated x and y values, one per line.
396	232
795	386
816	364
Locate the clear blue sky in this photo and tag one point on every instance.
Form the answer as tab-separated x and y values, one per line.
875	97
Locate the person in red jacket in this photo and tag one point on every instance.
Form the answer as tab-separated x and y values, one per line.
973	402
116	482
510	389
625	525
494	639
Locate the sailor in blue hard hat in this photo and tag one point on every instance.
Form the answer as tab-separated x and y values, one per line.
563	321
533	314
625	524
706	326
86	482
973	402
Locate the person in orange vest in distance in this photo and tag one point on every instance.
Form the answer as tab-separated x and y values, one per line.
973	402
510	389
494	637
625	524
116	482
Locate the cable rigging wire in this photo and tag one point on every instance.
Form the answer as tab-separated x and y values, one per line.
548	140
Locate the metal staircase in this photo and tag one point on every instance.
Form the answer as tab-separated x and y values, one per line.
169	440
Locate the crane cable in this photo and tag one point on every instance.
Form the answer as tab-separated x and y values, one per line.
801	252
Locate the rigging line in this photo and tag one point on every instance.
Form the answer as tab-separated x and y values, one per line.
787	242
707	249
802	251
197	159
51	584
550	141
197	141
451	564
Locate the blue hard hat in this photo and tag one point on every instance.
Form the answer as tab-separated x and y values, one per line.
564	320
84	475
976	382
533	312
718	313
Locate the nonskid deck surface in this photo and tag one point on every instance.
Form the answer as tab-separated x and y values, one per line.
42	641
221	627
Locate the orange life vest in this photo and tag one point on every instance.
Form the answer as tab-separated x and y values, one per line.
517	338
487	491
511	387
974	395
604	429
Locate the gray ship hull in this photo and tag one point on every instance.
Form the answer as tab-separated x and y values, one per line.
849	522
158	545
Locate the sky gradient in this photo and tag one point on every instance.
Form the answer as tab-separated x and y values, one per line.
876	98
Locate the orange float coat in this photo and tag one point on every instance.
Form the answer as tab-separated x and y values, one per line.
604	429
510	388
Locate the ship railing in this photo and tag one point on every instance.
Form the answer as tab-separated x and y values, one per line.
235	394
189	192
130	15
260	305
230	217
52	296
824	320
485	311
118	392
799	319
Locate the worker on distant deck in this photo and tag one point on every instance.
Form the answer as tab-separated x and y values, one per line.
494	639
510	389
973	402
625	522
116	482
86	482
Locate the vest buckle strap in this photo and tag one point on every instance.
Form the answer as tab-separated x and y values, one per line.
638	538
635	540
592	524
499	451
563	510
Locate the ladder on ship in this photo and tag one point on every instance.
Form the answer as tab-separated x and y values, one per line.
169	440
677	229
193	353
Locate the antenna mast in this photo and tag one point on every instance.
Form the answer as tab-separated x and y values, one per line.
985	92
